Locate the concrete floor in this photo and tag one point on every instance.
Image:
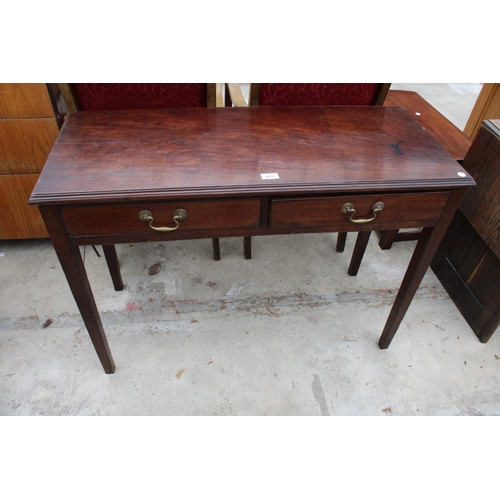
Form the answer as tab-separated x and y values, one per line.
286	333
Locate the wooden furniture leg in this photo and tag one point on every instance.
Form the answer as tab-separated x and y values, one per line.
216	247
113	266
247	247
429	240
387	238
74	269
341	239
358	252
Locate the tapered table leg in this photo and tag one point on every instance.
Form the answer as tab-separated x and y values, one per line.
358	252
427	245
341	239
247	247
74	269
113	266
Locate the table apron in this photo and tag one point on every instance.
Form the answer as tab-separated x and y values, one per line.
110	239
255	216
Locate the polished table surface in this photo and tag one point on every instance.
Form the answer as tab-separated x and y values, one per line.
243	172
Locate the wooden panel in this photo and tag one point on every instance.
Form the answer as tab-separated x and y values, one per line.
26	144
460	293
448	135
470	273
18	219
449	238
25	100
481	205
485	279
202	214
485	284
487	106
326	211
490	326
467	251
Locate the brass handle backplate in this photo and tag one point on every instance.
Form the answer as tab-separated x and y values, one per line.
179	215
348	208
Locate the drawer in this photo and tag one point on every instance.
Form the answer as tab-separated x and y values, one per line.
404	209
124	218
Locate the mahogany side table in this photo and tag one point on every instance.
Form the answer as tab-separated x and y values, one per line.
151	175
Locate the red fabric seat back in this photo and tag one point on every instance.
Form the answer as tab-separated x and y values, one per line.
120	96
318	94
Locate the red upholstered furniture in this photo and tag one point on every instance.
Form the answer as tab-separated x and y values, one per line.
314	94
317	94
120	96
126	96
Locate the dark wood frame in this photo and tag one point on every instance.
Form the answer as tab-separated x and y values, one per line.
103	210
468	259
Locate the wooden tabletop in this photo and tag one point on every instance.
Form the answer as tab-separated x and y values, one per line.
126	155
451	137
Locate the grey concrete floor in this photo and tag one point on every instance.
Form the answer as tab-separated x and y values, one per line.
285	333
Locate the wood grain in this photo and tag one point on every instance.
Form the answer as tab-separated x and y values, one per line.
201	152
25	144
470	273
25	100
481	205
422	255
234	95
209	161
124	218
319	211
448	135
19	220
74	269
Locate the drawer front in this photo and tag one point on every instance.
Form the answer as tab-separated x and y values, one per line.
124	218
326	211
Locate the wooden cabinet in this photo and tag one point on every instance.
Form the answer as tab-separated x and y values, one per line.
28	130
468	260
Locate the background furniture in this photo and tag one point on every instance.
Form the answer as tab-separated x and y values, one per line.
29	126
121	96
468	260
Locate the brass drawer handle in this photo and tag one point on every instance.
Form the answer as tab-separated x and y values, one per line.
179	215
348	208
